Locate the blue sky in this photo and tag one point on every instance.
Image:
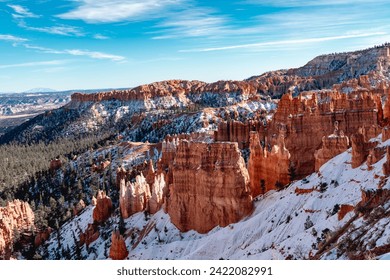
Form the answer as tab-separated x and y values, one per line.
76	44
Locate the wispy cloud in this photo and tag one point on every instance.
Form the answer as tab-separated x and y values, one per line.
100	37
22	12
196	22
34	64
93	54
286	42
109	11
77	52
64	30
12	38
307	3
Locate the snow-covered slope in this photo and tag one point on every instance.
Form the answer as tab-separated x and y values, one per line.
283	225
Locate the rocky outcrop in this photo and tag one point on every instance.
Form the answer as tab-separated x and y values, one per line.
78	207
360	149
299	191
90	235
100	166
16	217
385	133
344	210
372	198
332	146
305	119
268	166
175	88
42	236
134	197
118	250
235	131
386	165
156	200
103	208
210	186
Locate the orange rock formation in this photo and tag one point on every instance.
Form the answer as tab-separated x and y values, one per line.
332	145
103	208
17	216
176	88
344	210
210	186
118	250
134	197
306	119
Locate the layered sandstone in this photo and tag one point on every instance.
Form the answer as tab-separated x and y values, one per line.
235	131
134	197
386	133
18	217
360	149
174	88
344	210
90	235
386	165
210	186
268	166
103	208
372	199
332	146
118	250
156	200
305	119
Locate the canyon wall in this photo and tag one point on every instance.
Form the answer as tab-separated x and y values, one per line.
305	120
332	146
210	186
174	88
16	217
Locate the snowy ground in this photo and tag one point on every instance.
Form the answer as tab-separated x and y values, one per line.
283	224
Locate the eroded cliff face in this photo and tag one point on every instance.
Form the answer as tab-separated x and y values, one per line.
134	197
16	217
210	186
171	88
103	208
118	250
305	120
268	166
235	131
332	146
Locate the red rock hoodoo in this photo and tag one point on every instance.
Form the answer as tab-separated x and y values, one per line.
134	197
210	186
305	120
103	208
332	145
268	164
118	250
17	216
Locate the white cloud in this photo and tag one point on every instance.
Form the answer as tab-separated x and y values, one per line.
11	38
108	11
77	52
100	37
64	30
22	12
192	23
286	42
93	54
33	64
307	3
